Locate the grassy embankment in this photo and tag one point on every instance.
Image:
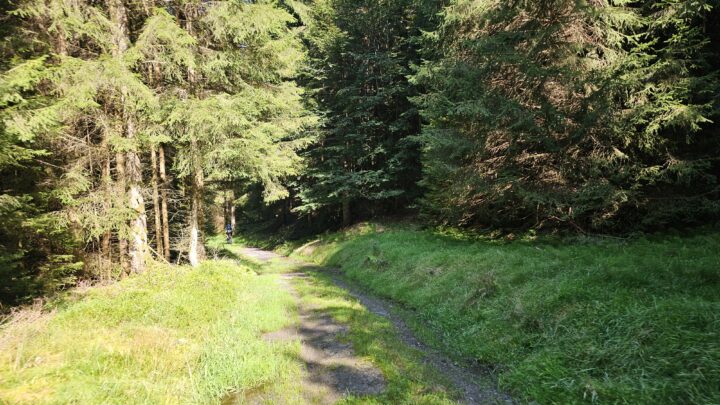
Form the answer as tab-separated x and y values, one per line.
175	335
589	320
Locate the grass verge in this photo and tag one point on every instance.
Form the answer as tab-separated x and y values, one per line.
171	335
590	320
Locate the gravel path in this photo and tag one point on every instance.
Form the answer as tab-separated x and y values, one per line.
333	371
475	384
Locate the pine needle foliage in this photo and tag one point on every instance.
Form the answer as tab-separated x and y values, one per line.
95	88
583	115
361	54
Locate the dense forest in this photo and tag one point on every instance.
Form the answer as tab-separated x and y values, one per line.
130	131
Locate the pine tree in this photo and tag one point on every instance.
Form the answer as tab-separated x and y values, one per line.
109	87
361	55
570	114
240	117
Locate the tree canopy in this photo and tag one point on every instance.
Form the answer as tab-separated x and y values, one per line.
129	130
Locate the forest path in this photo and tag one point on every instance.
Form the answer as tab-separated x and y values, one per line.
333	370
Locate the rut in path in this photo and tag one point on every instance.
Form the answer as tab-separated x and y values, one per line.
334	371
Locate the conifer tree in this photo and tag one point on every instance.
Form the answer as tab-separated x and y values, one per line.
239	116
361	55
571	114
108	87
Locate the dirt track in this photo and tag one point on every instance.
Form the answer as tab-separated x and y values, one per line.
334	371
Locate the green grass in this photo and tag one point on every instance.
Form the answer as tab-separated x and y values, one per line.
581	321
194	336
171	335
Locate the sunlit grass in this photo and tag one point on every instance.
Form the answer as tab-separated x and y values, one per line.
172	335
588	320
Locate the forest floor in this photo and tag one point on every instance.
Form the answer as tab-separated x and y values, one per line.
333	369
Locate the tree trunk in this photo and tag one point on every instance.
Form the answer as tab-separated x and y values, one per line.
229	208
346	217
118	16
164	203
156	204
105	248
226	209
138	248
232	210
196	252
121	193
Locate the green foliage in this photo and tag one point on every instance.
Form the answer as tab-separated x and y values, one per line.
239	117
360	57
572	114
34	257
564	321
251	135
104	82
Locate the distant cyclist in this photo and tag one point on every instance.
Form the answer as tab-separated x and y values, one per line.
228	232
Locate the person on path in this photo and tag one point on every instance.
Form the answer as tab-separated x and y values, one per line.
228	233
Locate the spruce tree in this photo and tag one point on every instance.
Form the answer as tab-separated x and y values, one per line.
360	56
571	114
239	115
200	89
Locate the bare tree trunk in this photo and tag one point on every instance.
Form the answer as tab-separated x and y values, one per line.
138	249
105	248
60	41
164	203
156	204
226	209
121	191
196	252
232	210
118	16
229	208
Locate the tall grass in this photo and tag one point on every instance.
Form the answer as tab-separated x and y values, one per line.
588	320
172	335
